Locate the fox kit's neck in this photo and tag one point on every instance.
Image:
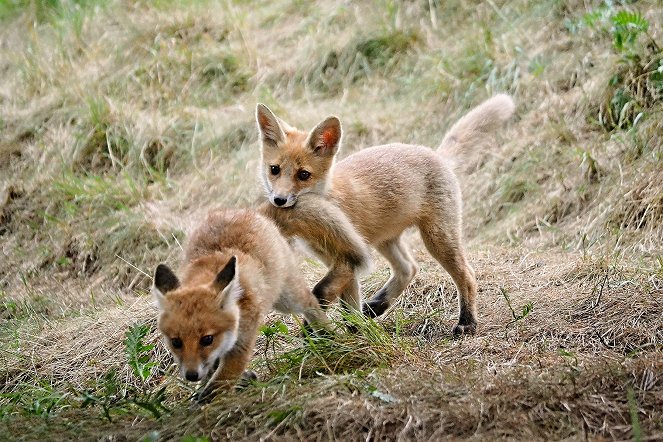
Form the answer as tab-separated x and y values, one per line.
324	186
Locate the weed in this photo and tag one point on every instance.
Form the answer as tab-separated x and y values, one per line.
370	346
526	309
359	59
115	398
636	84
138	353
636	431
573	369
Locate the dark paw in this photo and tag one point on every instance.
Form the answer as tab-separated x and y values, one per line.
315	332
375	307
247	377
465	329
307	330
204	396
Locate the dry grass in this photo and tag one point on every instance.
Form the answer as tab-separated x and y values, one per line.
120	123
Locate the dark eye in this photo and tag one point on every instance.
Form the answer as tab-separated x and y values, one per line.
275	169
303	175
177	342
206	340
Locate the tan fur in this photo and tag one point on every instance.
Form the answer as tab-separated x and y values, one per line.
383	190
204	303
323	225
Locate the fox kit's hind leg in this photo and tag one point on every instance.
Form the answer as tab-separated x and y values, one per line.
403	270
445	245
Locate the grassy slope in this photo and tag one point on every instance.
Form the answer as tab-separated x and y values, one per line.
121	123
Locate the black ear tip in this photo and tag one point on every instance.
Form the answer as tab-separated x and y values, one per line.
160	270
227	274
232	264
164	278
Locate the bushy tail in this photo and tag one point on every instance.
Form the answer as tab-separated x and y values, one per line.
469	135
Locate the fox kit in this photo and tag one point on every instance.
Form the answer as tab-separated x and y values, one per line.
382	190
237	268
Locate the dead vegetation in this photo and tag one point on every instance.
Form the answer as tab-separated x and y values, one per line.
121	122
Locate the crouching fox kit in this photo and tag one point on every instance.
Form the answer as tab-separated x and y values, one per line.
237	268
382	190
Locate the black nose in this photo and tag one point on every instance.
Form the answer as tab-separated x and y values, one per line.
191	376
280	201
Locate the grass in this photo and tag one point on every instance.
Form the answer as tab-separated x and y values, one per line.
121	124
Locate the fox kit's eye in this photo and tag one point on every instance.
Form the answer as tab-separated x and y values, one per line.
177	343
206	340
275	169
303	175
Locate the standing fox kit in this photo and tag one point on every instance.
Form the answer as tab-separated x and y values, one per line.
382	190
237	268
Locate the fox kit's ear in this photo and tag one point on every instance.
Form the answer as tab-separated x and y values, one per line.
326	137
271	132
227	283
164	281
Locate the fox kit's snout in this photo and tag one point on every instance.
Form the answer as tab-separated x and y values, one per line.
199	323
294	162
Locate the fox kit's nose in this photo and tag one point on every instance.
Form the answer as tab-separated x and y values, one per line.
191	376
279	201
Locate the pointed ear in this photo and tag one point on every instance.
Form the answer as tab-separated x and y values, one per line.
325	139
164	281
226	275
227	283
271	131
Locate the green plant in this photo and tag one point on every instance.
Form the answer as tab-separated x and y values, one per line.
368	346
573	369
636	431
36	400
112	396
638	81
526	309
138	353
627	27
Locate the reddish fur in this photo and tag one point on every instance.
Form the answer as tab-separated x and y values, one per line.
198	306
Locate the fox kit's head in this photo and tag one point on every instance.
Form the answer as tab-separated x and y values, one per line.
198	323
295	162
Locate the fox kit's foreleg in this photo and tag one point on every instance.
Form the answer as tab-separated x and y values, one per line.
233	365
297	299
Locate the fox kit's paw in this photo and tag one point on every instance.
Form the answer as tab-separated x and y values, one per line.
247	377
375	306
465	329
315	331
205	395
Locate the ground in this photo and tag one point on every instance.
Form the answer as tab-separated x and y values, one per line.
122	122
